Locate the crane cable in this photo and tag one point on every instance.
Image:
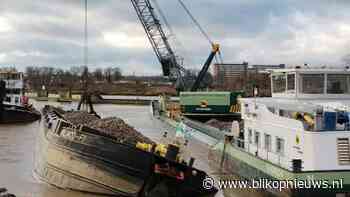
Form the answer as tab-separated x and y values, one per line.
86	48
200	28
171	32
195	21
86	35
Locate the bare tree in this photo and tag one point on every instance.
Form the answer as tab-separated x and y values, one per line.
117	74
98	74
108	74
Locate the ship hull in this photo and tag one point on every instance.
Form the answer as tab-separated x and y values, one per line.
244	166
14	114
72	165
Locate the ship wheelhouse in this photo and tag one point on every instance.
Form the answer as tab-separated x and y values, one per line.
311	83
305	125
14	86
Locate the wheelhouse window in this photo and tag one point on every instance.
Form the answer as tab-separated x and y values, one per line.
250	136
8	99
268	142
257	139
279	83
10	76
338	84
280	146
312	83
291	82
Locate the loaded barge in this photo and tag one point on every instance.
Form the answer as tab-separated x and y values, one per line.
78	157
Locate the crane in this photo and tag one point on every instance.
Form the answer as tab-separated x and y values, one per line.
170	63
205	68
159	41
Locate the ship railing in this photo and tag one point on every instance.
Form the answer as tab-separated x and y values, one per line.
62	124
278	159
238	142
78	129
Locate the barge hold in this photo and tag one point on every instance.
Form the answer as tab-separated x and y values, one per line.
106	156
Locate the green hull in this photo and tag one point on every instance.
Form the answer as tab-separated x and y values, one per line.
245	166
210	109
250	167
209	102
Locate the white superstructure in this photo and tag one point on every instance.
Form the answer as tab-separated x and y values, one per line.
14	85
305	125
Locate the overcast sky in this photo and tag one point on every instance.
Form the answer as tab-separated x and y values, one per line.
293	32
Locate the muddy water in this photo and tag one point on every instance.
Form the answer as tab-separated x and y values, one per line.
17	143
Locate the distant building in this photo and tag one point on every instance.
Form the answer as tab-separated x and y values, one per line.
243	76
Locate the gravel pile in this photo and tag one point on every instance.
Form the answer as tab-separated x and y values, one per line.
113	127
80	117
219	124
118	129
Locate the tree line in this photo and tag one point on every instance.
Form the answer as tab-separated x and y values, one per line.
50	77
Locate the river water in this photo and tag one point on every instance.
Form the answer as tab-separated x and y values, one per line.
17	143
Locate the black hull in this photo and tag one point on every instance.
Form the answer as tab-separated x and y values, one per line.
11	114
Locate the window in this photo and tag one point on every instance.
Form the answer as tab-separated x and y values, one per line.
16	99
312	83
280	146
257	139
291	82
16	91
338	84
268	142
271	109
281	112
250	136
279	83
8	99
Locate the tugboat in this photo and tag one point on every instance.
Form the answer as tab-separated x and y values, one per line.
301	134
14	106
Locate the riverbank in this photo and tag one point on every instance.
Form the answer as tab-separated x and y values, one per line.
102	99
113	88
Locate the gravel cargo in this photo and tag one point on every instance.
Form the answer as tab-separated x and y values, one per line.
219	124
113	127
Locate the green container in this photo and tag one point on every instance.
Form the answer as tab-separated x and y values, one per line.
209	102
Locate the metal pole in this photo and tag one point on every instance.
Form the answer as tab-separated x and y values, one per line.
86	35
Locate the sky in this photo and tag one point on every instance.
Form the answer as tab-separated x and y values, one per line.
291	32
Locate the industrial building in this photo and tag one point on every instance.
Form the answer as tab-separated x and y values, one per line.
233	77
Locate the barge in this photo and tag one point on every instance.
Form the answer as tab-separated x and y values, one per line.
78	157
